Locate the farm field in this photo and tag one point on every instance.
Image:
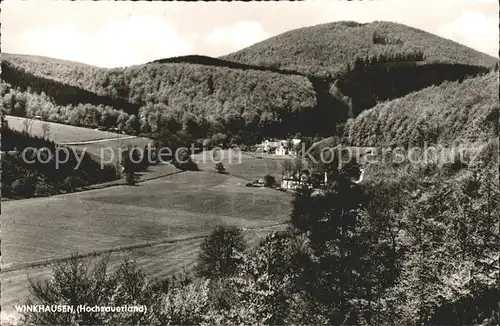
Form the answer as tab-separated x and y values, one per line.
250	167
109	149
181	204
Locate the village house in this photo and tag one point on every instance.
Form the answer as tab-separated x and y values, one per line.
269	146
280	147
294	181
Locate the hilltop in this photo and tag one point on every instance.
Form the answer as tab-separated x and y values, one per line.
329	49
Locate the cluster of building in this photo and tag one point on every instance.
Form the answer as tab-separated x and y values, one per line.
281	147
304	179
301	178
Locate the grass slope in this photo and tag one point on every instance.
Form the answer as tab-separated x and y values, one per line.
102	145
330	47
315	76
60	132
450	112
181	204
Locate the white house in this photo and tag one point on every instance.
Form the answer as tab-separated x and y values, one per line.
269	146
295	146
281	150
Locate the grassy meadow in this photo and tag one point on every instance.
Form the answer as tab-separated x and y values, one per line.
181	204
61	133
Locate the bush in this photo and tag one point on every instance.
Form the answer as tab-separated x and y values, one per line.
46	189
187	305
219	167
269	181
86	282
24	187
72	182
217	257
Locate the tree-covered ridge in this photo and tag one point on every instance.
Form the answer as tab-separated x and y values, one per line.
69	72
219	98
196	98
418	249
62	93
450	112
327	49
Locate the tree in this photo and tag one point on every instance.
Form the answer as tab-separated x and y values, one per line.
71	182
331	222
298	167
217	257
132	125
183	161
219	167
131	164
147	157
268	289
25	186
4	123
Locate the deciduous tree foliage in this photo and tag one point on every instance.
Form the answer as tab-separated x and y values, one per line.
218	256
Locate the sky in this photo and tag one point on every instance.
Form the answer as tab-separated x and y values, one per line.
112	34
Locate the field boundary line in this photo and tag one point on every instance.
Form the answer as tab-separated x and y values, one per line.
94	141
50	261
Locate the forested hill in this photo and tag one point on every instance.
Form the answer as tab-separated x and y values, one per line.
444	114
327	50
198	99
238	96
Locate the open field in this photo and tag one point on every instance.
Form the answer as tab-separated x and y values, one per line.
60	132
249	167
180	204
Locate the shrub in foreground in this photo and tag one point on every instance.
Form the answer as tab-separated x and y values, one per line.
217	257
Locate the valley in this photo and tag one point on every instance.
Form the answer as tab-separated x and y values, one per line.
359	239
